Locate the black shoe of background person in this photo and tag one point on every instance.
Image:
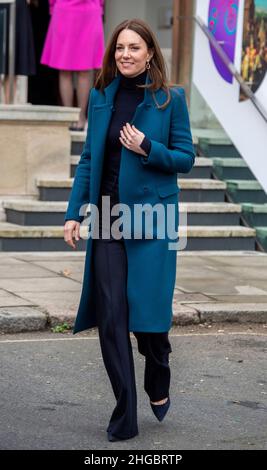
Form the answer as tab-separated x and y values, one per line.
76	129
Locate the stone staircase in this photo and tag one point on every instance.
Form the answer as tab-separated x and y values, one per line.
242	186
214	221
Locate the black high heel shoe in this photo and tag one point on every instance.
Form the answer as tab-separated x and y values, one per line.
160	410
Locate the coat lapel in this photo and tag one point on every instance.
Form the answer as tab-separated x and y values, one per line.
101	117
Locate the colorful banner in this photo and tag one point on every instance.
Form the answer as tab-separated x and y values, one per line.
254	45
222	22
239	27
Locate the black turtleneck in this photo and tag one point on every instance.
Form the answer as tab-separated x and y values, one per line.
127	98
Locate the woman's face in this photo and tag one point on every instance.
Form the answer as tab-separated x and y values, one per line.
131	53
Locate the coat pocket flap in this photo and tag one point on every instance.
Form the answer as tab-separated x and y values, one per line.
167	189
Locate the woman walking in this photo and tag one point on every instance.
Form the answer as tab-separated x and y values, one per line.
75	43
138	139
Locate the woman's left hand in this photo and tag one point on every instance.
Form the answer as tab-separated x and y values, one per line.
131	138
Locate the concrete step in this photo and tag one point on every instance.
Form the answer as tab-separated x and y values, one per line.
201	190
219	238
255	214
246	191
201	169
232	168
78	139
6	198
216	147
210	133
35	212
74	160
77	142
15	237
227	231
192	189
46	238
39	213
210	213
54	189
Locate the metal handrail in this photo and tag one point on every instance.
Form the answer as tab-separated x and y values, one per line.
231	67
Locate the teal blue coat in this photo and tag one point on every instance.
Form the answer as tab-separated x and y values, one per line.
151	265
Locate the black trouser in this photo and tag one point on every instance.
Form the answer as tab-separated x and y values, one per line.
110	273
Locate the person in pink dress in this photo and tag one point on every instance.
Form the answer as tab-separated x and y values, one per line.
75	43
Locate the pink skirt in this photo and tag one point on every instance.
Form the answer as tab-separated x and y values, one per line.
75	37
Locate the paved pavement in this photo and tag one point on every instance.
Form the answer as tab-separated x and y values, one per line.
55	393
38	290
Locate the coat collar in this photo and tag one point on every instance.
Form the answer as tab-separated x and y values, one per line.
148	101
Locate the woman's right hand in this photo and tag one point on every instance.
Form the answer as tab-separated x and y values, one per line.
71	231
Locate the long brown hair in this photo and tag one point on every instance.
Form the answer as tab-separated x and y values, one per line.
157	71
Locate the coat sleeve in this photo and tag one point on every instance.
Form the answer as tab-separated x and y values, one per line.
80	193
179	157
